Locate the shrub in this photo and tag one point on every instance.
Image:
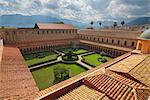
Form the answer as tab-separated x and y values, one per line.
103	53
60	74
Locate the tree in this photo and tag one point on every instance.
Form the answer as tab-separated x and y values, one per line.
92	24
58	22
60	74
2	27
115	24
103	60
100	23
122	23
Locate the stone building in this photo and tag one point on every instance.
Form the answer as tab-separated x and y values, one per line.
127	77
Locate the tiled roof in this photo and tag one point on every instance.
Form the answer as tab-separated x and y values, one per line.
83	93
128	64
142	71
115	86
54	26
16	81
136	65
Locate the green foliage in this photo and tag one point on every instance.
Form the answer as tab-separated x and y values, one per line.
115	24
44	77
60	74
36	58
103	60
59	23
122	23
93	59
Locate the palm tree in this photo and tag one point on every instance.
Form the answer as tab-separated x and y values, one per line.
122	23
100	23
115	24
92	24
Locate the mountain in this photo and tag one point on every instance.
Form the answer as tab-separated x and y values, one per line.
140	21
21	21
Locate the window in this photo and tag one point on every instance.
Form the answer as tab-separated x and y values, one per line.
112	41
125	43
47	32
132	44
102	39
94	38
118	42
107	40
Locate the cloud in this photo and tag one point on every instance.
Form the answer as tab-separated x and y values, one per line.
79	10
128	8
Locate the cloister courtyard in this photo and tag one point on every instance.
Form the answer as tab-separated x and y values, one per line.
51	67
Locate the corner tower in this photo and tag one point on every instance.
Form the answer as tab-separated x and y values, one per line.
144	42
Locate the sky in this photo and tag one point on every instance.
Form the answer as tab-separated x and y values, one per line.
78	10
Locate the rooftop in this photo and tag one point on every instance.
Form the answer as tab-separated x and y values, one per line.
53	26
83	93
138	70
117	87
16	80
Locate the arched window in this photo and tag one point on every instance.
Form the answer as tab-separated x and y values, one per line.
125	43
118	42
107	40
132	44
112	41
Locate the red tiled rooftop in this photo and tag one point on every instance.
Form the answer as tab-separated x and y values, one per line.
16	80
115	86
83	93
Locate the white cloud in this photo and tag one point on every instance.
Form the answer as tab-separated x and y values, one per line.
79	10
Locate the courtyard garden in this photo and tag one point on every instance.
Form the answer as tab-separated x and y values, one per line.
45	77
39	57
95	59
51	67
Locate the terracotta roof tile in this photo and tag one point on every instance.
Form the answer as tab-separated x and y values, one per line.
83	93
114	85
16	80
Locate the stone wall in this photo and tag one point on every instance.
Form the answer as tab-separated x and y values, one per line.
32	40
113	37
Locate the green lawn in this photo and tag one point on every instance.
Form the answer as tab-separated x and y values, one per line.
93	59
36	58
77	51
44	77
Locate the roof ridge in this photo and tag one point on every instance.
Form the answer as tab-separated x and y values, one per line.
110	75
